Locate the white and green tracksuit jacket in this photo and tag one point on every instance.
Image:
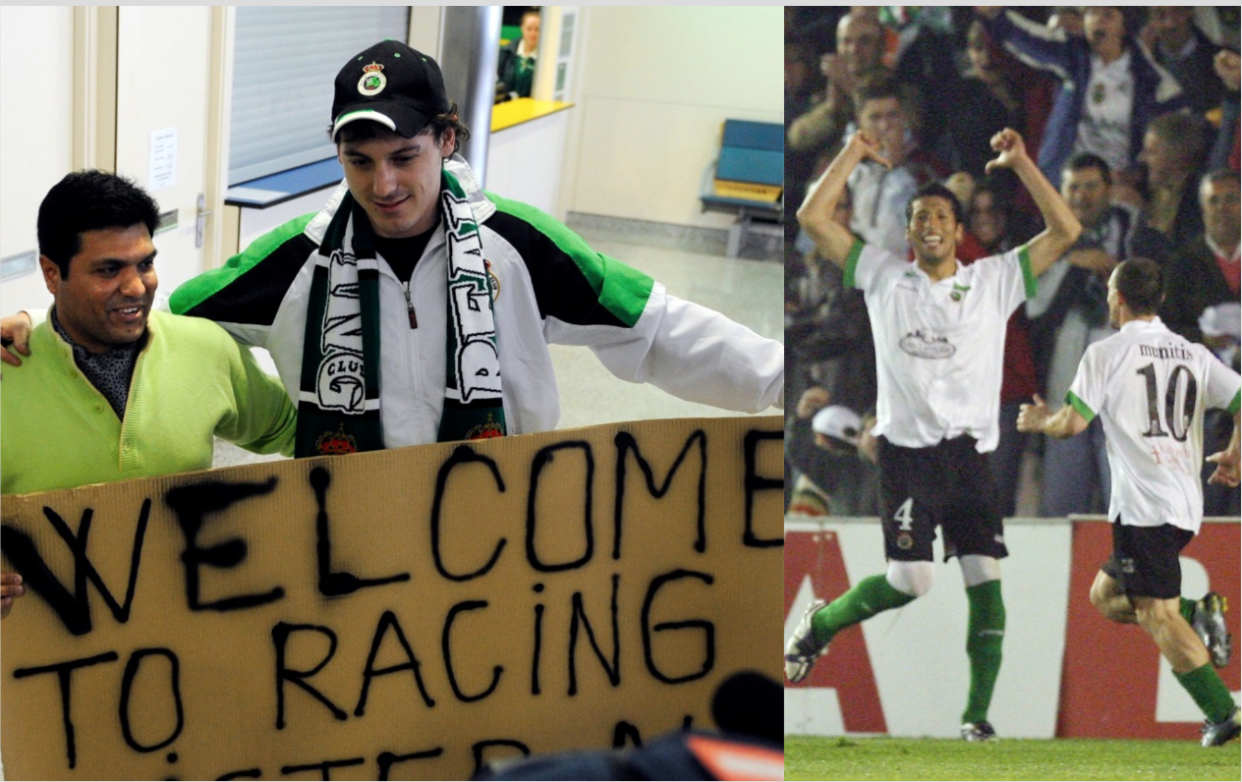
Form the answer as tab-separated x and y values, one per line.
553	288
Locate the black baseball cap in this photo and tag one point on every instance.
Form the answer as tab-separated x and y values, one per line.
391	84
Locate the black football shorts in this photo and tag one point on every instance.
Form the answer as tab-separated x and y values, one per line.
947	485
1145	560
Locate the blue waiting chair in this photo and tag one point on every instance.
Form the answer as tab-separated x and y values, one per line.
747	179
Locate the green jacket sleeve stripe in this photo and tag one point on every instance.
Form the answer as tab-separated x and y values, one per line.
212	294
621	290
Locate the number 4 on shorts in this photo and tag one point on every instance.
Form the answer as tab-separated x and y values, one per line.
905	514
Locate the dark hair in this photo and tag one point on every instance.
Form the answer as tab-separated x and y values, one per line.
1140	283
878	85
90	201
1002	200
936	190
1002	194
364	130
1132	17
1085	160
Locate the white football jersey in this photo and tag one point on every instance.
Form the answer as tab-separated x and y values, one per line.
939	346
1151	387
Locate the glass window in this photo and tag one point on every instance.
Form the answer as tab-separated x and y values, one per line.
285	60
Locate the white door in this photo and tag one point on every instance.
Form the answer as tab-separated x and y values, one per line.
36	139
163	85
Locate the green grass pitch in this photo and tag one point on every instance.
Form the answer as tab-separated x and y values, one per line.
1022	759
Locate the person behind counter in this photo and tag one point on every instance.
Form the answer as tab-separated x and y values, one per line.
517	60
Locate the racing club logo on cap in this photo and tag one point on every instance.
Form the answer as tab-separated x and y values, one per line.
373	81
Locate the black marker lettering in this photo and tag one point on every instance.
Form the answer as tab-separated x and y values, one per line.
467	605
342	583
127	684
542	459
625	733
386	760
324	767
389	620
755	483
192	504
74	610
280	636
579	614
461	455
625	443
709	629
534	664
479	748
64	673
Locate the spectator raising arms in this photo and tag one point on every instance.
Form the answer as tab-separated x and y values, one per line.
1110	85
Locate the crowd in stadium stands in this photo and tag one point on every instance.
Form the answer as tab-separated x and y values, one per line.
1134	112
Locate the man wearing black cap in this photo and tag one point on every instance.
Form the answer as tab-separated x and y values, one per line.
414	308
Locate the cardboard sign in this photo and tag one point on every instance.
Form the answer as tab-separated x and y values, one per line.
406	614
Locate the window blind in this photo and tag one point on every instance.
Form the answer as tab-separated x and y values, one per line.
285	60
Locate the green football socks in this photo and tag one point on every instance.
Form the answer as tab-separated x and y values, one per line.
985	633
1208	691
866	599
1187	609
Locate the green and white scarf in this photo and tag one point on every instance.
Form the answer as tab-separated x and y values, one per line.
339	406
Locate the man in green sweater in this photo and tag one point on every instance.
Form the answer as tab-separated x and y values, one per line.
111	390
